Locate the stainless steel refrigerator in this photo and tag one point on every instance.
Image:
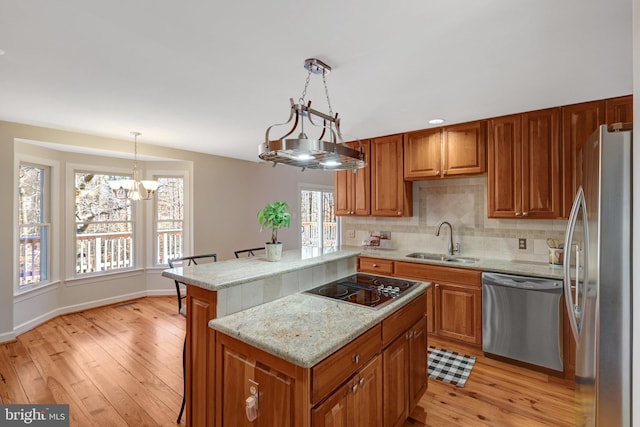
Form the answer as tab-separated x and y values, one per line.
597	279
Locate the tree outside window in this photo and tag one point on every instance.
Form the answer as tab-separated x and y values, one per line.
169	219
103	225
34	224
318	219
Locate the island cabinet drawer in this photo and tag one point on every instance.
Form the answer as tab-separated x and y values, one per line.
400	321
375	265
337	368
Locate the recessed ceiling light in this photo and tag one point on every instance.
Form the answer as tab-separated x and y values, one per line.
436	121
2	52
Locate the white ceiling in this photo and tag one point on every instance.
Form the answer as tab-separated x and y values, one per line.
210	76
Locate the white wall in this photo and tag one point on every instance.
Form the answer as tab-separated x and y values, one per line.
6	235
227	194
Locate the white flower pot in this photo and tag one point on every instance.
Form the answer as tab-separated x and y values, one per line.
274	251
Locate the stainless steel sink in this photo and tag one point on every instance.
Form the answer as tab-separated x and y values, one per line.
466	260
442	257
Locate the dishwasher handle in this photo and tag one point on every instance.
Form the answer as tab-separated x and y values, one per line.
521	282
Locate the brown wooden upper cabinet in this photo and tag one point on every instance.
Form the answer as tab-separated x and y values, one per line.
353	189
619	109
524	178
391	195
579	121
448	151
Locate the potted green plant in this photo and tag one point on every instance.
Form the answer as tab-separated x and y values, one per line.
274	216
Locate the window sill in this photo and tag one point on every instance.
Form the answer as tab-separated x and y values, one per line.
35	290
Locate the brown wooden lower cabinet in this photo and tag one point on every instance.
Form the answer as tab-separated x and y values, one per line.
200	351
454	301
396	393
375	266
274	389
345	389
357	403
405	364
458	312
418	362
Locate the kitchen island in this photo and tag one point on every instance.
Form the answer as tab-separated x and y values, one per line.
308	360
222	288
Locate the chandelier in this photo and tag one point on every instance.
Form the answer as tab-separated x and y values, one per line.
134	189
312	153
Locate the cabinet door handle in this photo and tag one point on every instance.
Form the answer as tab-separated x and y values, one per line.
518	213
399	213
437	285
437	173
356	358
525	213
354	387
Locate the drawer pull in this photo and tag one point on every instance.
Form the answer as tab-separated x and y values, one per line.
375	265
356	358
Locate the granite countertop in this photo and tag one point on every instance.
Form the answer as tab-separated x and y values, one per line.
225	274
304	329
526	268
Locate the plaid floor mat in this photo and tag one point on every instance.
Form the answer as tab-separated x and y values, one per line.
449	367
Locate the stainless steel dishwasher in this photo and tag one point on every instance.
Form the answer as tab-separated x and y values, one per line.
522	318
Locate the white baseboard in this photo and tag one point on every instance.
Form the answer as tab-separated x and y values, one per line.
7	336
27	326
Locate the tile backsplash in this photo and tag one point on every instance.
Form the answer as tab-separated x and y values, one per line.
463	203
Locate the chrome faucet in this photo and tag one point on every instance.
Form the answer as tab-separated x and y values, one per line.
451	248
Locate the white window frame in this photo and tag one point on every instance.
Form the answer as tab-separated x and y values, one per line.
52	200
187	231
317	187
136	217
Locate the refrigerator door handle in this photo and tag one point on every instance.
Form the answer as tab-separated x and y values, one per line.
574	310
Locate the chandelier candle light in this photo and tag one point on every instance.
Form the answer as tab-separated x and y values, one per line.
310	153
134	189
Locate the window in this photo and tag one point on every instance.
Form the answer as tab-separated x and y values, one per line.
318	219
103	225
169	227
34	224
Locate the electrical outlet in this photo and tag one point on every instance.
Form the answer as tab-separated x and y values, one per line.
522	243
351	234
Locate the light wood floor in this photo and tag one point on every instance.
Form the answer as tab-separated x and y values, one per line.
496	394
119	365
122	365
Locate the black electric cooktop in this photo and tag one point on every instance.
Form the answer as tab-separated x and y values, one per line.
365	289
